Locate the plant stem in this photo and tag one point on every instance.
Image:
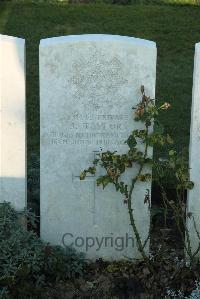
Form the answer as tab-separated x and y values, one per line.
130	209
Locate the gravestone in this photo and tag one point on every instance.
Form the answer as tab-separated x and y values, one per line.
88	86
12	132
194	161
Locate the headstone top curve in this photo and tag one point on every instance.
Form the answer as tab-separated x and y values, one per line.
197	46
8	38
96	37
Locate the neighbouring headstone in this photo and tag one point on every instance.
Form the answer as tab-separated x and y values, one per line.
88	86
12	130
193	205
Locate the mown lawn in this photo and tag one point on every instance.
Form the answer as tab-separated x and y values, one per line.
174	28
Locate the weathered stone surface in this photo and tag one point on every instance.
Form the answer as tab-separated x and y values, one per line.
194	194
88	86
12	130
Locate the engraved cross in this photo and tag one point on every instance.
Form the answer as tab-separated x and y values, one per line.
91	178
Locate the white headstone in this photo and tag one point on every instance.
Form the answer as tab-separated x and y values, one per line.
88	86
194	164
12	120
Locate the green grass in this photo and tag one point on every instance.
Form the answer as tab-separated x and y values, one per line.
130	2
174	28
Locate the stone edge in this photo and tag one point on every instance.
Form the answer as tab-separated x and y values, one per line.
21	42
96	37
8	38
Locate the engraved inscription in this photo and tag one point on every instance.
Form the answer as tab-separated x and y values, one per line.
82	138
81	129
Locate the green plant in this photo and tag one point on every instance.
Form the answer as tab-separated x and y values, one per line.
176	166
116	164
27	264
179	294
196	292
119	266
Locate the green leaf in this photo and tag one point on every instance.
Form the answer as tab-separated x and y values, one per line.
106	181
91	170
95	162
169	139
99	180
172	153
189	185
131	141
82	175
144	177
